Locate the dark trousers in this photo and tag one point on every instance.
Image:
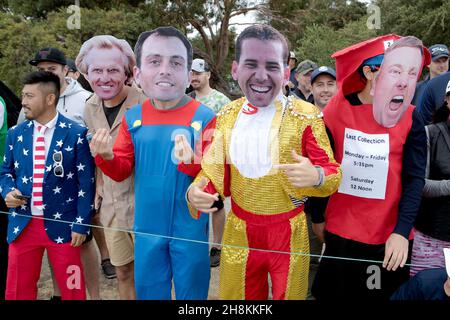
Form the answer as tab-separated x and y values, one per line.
354	280
3	247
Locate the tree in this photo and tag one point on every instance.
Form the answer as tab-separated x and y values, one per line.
292	18
320	42
425	19
17	49
210	19
41	8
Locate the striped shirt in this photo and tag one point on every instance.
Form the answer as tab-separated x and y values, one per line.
39	162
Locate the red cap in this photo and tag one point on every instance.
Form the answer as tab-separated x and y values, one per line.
349	59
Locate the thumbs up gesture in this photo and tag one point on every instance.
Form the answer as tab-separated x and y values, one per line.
301	173
201	200
183	151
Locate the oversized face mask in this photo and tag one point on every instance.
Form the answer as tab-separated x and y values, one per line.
394	86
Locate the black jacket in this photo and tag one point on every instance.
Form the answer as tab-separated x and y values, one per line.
434	215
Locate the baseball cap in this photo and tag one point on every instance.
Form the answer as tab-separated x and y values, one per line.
305	66
292	55
199	65
438	51
447	90
50	55
323	70
71	64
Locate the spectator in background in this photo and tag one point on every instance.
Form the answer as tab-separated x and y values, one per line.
72	70
76	75
293	83
433	96
323	85
73	97
439	65
433	221
214	100
303	75
203	92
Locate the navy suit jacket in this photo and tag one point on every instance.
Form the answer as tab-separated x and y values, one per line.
68	200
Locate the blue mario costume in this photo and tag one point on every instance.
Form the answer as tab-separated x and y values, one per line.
145	142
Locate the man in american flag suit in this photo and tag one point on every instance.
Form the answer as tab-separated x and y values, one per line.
47	158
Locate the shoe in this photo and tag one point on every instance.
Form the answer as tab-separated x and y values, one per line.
108	269
214	257
55	298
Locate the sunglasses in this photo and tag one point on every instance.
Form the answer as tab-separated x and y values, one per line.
58	169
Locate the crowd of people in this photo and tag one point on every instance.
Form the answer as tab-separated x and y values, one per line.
131	154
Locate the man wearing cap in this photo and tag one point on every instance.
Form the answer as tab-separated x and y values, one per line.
433	96
210	97
380	141
303	75
215	100
73	97
323	85
439	65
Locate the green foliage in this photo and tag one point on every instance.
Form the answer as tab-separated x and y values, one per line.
429	20
40	8
320	42
21	38
315	28
293	18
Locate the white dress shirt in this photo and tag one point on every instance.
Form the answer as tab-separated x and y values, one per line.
252	140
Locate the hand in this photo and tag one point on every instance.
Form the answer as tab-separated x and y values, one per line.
319	231
77	239
396	252
183	151
301	174
201	200
447	287
101	144
13	202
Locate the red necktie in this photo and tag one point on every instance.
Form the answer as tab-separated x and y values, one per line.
39	167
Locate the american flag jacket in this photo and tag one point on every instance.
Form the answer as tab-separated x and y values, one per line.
68	200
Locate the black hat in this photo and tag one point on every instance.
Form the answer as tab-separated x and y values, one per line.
49	55
323	70
71	64
438	51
